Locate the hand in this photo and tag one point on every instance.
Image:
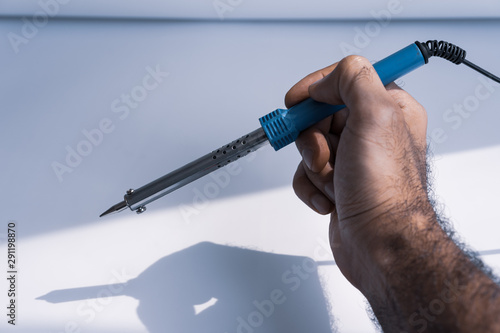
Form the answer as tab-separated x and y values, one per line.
365	162
367	166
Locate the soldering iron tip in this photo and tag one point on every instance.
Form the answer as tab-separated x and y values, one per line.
107	212
116	208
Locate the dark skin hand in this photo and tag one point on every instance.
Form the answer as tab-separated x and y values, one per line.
366	166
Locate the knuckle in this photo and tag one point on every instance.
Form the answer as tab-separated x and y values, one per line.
354	62
356	67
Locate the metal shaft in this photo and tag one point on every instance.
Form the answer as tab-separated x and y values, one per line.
280	127
137	199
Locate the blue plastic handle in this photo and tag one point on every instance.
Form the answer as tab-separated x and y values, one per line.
283	126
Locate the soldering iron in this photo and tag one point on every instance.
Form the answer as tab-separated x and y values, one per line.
282	126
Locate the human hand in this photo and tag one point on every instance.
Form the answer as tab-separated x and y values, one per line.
365	164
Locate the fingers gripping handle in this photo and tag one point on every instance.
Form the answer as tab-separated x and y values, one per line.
283	126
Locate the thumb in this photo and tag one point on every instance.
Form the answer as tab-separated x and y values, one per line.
355	83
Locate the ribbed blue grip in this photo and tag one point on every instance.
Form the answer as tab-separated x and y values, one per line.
283	126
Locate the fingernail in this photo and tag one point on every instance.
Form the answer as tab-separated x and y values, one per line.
307	156
321	204
315	84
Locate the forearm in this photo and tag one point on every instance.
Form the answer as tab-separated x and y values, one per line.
420	281
369	162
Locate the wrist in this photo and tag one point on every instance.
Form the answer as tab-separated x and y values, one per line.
394	241
420	279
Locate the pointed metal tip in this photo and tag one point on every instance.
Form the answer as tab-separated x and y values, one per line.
116	208
109	211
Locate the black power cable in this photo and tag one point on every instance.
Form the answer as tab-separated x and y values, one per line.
451	52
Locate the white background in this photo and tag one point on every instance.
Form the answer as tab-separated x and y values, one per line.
222	76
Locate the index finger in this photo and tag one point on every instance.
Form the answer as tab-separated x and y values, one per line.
300	91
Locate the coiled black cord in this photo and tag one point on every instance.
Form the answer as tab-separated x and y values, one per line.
451	52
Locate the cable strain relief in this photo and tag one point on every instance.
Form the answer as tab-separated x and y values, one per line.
442	49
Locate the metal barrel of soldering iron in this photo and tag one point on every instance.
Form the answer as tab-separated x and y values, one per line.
280	127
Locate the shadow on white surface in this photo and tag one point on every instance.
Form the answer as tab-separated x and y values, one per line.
215	288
